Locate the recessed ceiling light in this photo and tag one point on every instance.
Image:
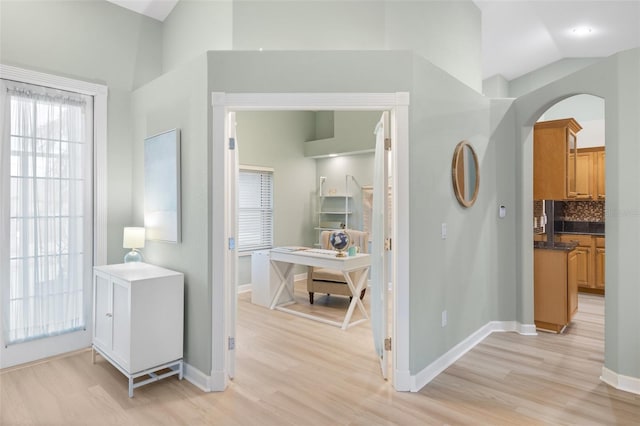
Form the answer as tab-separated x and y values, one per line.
581	31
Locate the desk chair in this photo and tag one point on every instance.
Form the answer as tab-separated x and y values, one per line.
330	281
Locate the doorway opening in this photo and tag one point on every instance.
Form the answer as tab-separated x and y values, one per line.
569	217
397	105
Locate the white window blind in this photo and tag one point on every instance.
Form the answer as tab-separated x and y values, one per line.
48	139
255	209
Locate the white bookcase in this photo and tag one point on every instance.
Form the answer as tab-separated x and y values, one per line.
334	209
138	320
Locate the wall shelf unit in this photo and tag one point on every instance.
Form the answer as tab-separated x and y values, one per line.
334	209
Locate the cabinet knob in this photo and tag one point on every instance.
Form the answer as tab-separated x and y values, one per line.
108	315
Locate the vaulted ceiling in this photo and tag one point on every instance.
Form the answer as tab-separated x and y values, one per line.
519	36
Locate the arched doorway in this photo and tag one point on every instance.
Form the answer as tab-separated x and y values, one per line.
569	212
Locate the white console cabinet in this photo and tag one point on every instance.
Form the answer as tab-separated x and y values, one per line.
138	320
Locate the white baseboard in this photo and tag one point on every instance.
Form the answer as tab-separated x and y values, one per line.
420	380
215	383
197	378
403	381
620	381
244	288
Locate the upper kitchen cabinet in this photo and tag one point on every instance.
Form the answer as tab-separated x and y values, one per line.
584	176
555	159
600	173
590	174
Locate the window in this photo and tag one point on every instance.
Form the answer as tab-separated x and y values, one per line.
255	208
47	144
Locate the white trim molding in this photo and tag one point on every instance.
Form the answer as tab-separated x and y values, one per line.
430	372
620	381
197	378
243	288
217	382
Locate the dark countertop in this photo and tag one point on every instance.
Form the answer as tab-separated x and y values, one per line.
571	227
557	246
597	234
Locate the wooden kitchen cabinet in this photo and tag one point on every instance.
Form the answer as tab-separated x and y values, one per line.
590	174
590	259
584	176
599	263
584	253
555	159
555	288
600	174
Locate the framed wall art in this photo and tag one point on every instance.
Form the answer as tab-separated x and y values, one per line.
162	186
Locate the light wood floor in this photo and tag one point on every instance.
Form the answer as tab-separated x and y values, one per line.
293	371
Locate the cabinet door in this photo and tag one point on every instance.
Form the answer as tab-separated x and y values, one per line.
121	323
572	158
600	175
600	264
584	175
583	258
102	314
572	284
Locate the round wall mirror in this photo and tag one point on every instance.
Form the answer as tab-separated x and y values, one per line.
465	173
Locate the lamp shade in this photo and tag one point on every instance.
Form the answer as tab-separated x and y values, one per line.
133	238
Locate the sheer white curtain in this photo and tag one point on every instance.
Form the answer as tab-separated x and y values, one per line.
46	177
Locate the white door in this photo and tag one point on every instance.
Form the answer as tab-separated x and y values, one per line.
379	234
232	237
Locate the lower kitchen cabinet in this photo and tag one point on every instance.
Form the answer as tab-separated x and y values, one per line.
599	263
555	288
138	320
590	252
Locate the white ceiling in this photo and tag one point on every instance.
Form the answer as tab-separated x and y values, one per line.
519	36
156	9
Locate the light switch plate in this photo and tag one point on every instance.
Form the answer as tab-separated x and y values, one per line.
443	231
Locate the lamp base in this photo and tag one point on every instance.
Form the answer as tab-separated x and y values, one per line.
133	256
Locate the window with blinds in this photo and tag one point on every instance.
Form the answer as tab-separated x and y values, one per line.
255	209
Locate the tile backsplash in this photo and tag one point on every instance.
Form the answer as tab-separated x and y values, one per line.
583	211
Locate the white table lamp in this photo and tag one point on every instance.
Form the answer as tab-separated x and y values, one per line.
133	238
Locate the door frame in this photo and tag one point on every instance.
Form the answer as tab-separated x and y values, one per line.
223	279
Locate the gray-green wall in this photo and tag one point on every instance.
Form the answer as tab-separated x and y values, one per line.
179	99
98	42
276	139
334	169
443	113
343	132
445	32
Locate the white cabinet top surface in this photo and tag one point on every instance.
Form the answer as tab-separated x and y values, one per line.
135	271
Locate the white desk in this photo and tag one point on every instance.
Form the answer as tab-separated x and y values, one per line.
284	259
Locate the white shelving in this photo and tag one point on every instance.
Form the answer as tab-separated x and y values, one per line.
334	209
